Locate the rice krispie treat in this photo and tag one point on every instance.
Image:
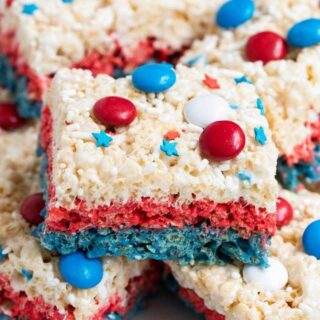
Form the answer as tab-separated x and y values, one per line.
288	289
166	164
278	50
39	37
37	285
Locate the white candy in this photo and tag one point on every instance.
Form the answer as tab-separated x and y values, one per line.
275	277
205	109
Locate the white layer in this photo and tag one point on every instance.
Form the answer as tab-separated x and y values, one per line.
19	178
288	87
58	34
224	290
133	166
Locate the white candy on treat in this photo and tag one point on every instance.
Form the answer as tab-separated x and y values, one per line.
205	109
275	277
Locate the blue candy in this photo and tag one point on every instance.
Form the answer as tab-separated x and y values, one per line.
235	13
311	239
154	77
79	271
305	33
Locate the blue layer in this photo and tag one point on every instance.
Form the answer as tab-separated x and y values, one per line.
192	243
18	86
303	172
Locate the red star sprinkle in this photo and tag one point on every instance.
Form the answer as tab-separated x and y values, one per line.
171	135
211	82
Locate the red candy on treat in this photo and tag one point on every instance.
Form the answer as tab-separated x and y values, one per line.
9	118
222	140
114	111
284	212
266	46
31	208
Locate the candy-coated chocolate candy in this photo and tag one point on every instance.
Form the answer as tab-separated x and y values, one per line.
284	212
222	140
205	109
305	33
234	13
114	111
79	271
266	46
311	239
274	277
154	77
31	208
9	118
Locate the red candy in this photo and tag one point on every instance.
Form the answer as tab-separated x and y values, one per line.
9	118
266	46
284	212
222	140
114	111
31	208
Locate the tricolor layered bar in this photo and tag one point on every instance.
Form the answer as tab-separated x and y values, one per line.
184	174
31	284
278	50
38	37
288	289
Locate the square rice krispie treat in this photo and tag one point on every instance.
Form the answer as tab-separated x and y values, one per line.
277	47
288	289
166	164
39	37
37	285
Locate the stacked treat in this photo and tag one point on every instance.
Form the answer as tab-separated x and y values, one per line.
136	161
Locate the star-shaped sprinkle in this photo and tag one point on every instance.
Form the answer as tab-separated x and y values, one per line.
260	136
67	1
169	148
200	58
27	274
171	135
211	82
245	176
102	139
260	106
29	8
2	255
233	106
242	79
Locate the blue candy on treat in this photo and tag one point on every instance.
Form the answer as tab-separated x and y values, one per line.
154	77
305	33
311	239
80	271
234	13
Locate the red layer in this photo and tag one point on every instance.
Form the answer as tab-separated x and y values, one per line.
305	151
150	213
190	296
94	61
37	309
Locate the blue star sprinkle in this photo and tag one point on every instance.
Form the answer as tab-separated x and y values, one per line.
169	148
29	8
27	274
233	106
67	1
245	176
242	79
102	139
260	106
200	58
260	136
2	255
